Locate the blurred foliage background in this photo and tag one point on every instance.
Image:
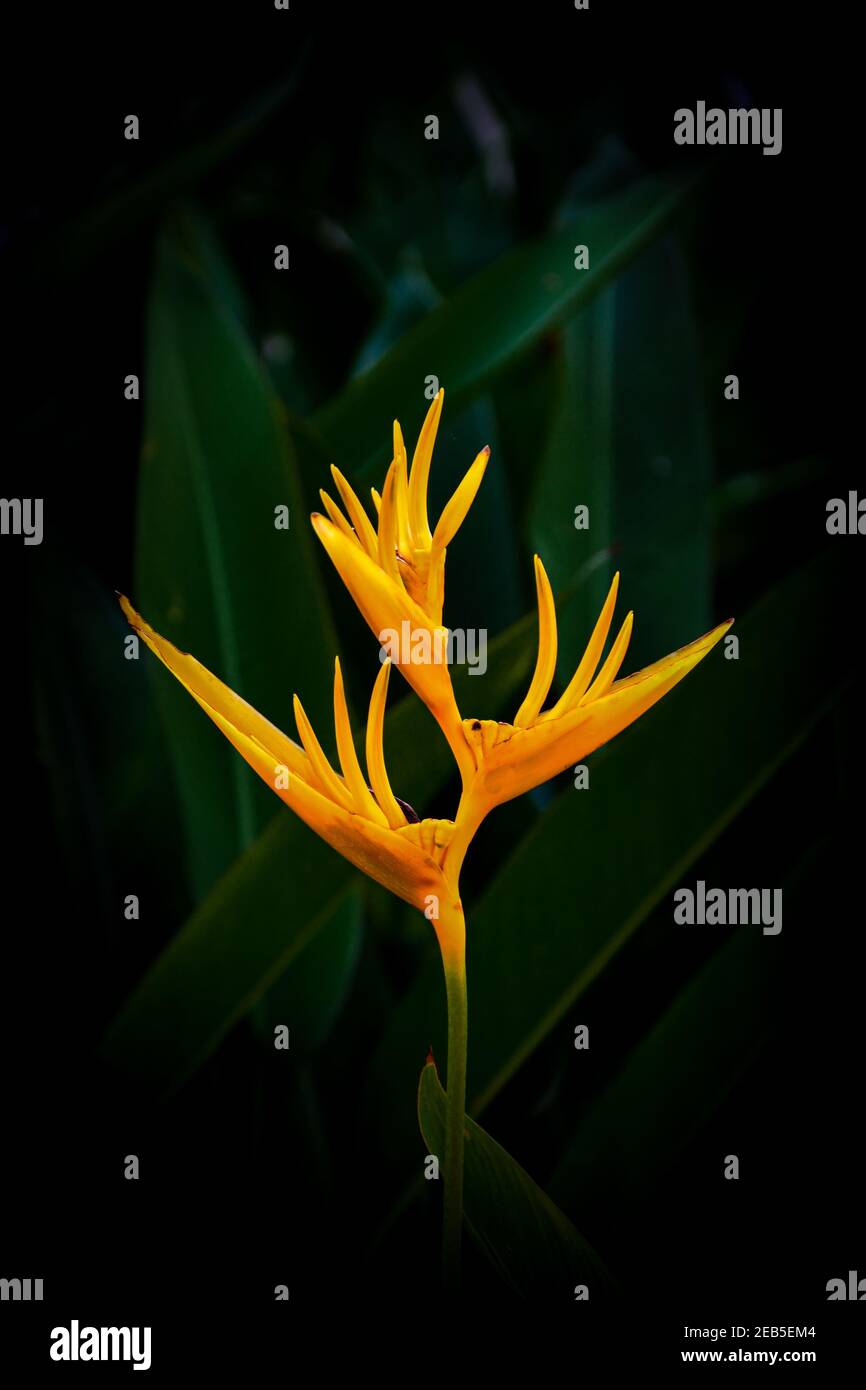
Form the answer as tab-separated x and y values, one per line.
450	258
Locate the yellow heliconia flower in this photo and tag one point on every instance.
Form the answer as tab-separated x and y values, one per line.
402	544
594	707
363	821
396	572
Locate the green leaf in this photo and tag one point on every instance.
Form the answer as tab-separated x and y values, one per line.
629	440
662	473
527	1239
245	934
103	752
562	906
213	573
312	990
576	467
492	318
673	1081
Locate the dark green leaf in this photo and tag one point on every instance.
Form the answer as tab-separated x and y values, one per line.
246	933
311	992
496	315
629	441
213	573
673	1081
677	1076
527	1239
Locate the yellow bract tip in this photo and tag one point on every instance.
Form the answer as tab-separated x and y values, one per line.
361	794
579	683
455	510
376	769
545	664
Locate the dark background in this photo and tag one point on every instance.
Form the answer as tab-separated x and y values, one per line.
220	1221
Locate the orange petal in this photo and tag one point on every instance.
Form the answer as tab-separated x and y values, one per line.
532	756
216	698
545	663
615	657
420	474
579	683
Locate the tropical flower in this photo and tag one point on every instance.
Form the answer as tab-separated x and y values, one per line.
593	708
396	574
364	822
403	545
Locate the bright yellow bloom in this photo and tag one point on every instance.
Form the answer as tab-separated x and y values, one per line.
396	573
594	707
363	822
402	544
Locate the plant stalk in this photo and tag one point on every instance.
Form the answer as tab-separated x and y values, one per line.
458	1029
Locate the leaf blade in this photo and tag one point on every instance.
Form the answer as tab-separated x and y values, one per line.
529	1241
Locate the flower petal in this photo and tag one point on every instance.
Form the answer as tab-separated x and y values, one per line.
358	517
545	664
400	862
532	756
420	474
415	645
579	683
327	778
385	855
364	800
387	540
456	508
337	516
376	769
216	698
401	493
615	657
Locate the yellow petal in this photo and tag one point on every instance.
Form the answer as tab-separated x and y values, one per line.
455	510
403	628
376	769
364	800
615	657
337	516
358	517
328	779
401	494
420	474
216	698
377	500
545	664
387	856
393	858
532	756
434	599
387	539
579	683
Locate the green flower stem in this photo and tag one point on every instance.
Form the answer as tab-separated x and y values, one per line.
458	1029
